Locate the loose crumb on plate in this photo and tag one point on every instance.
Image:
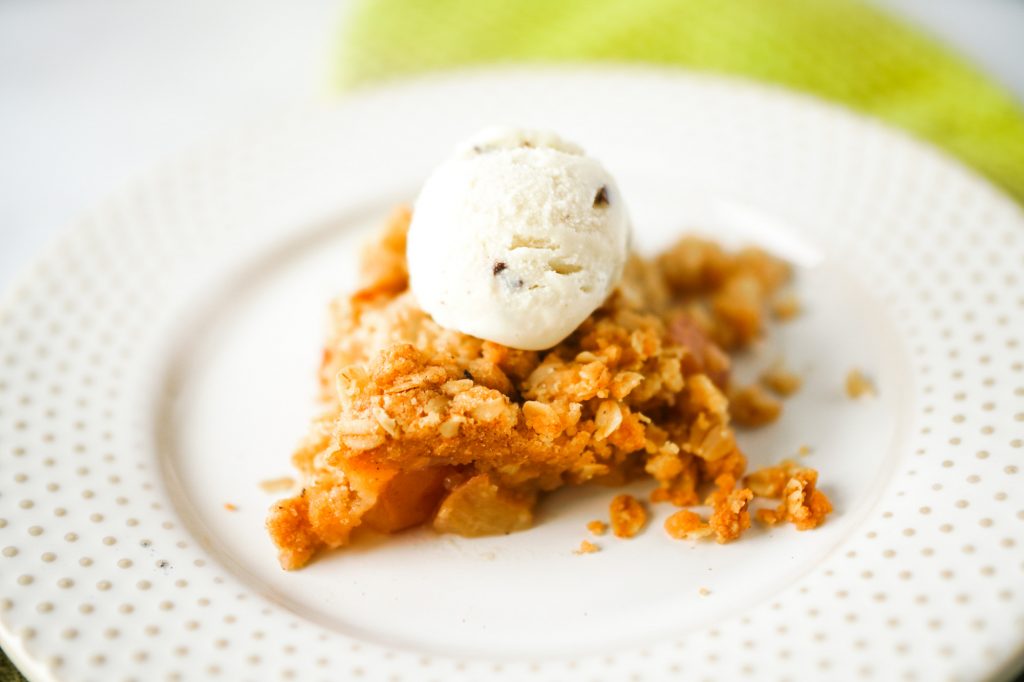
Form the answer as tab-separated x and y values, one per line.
729	504
597	527
771	481
686	525
857	384
785	306
230	507
277	485
804	450
802	504
730	514
587	547
753	406
781	381
704	591
628	516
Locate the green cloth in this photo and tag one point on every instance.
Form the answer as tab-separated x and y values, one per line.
8	673
841	50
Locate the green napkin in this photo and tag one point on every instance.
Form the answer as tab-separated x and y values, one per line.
841	50
8	673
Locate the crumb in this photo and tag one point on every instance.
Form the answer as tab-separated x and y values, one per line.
781	381
230	507
771	481
752	406
686	525
857	384
704	591
587	547
597	527
802	504
804	450
277	485
785	306
628	516
729	516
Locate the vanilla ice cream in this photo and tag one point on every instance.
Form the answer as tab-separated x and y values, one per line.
517	238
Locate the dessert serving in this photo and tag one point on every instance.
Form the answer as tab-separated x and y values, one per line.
504	342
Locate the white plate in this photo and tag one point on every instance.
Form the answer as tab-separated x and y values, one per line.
159	361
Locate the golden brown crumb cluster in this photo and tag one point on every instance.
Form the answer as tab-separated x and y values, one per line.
730	515
628	516
753	406
802	504
424	424
857	384
277	485
781	381
785	306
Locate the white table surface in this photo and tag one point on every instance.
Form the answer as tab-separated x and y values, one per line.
95	92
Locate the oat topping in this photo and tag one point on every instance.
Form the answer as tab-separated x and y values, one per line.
781	381
277	485
802	504
785	307
424	425
628	516
753	406
857	384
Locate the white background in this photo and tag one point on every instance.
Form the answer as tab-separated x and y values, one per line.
95	92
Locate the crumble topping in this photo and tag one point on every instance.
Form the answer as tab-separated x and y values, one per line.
857	384
277	485
781	381
628	516
729	514
422	424
786	306
753	406
802	504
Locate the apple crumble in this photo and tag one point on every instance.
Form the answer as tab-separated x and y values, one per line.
421	424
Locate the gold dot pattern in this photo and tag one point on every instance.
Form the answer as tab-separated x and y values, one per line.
101	574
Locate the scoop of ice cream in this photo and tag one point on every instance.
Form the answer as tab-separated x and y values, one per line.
517	238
